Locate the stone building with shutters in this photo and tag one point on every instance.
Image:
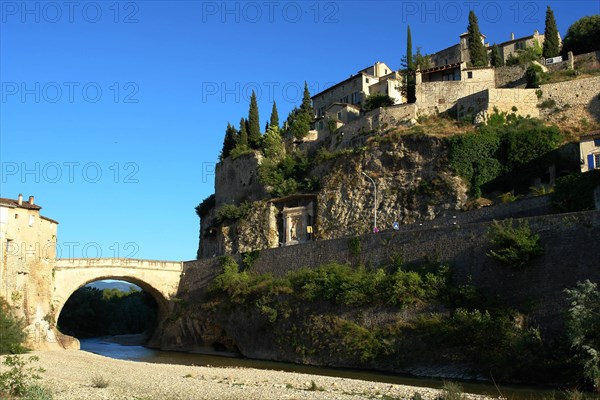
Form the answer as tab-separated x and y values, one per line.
589	149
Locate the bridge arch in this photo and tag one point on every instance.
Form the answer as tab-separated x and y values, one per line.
159	278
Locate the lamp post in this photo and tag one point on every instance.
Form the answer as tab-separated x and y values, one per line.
375	202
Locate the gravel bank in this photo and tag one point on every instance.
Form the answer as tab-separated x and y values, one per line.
70	373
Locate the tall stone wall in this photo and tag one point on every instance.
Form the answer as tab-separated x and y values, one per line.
434	97
512	76
573	100
237	180
566	239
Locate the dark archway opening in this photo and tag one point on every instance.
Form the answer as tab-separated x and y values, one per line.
110	308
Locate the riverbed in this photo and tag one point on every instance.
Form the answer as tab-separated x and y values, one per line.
72	374
107	347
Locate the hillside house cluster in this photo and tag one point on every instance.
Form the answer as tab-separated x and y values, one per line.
343	103
344	100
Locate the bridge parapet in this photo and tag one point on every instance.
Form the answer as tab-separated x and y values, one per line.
119	262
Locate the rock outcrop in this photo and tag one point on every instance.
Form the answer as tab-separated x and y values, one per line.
412	178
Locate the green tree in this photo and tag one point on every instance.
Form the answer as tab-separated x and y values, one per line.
11	331
274	120
411	86
496	58
306	106
533	76
583	328
300	119
230	140
243	139
551	46
477	51
583	36
514	246
422	61
273	147
409	53
377	100
254	136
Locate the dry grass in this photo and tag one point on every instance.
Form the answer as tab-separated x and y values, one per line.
435	125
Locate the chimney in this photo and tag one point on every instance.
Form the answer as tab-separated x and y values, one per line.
20	199
31	198
512	36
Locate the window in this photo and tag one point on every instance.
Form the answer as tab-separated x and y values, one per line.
339	115
355	98
16	216
597	142
597	159
31	220
520	46
367	80
470	74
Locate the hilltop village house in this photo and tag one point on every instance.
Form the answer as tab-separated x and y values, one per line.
589	147
448	85
344	100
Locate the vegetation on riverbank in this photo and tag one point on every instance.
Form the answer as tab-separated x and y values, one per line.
398	318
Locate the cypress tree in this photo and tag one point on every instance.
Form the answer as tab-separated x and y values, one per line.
306	106
253	123
496	59
477	50
230	140
243	135
274	121
551	46
411	86
409	53
300	119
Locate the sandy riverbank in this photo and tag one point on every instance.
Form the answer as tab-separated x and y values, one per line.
70	373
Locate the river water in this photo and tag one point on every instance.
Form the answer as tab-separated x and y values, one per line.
140	353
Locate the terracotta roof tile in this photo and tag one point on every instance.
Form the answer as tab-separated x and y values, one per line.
15	203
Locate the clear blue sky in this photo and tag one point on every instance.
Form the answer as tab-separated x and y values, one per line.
113	113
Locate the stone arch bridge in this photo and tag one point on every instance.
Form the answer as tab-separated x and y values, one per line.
159	278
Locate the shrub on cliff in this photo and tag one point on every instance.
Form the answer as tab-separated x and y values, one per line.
533	76
583	329
377	100
514	246
11	331
519	150
575	192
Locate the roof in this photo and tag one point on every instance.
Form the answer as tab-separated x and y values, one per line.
590	135
49	219
442	68
15	203
466	33
343	105
343	82
515	40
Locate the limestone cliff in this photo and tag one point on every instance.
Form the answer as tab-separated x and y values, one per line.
413	184
411	174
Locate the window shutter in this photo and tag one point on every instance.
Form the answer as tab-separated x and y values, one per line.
590	162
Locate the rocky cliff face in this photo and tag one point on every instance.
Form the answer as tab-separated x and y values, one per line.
413	184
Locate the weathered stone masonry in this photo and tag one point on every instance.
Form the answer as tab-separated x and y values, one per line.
566	238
